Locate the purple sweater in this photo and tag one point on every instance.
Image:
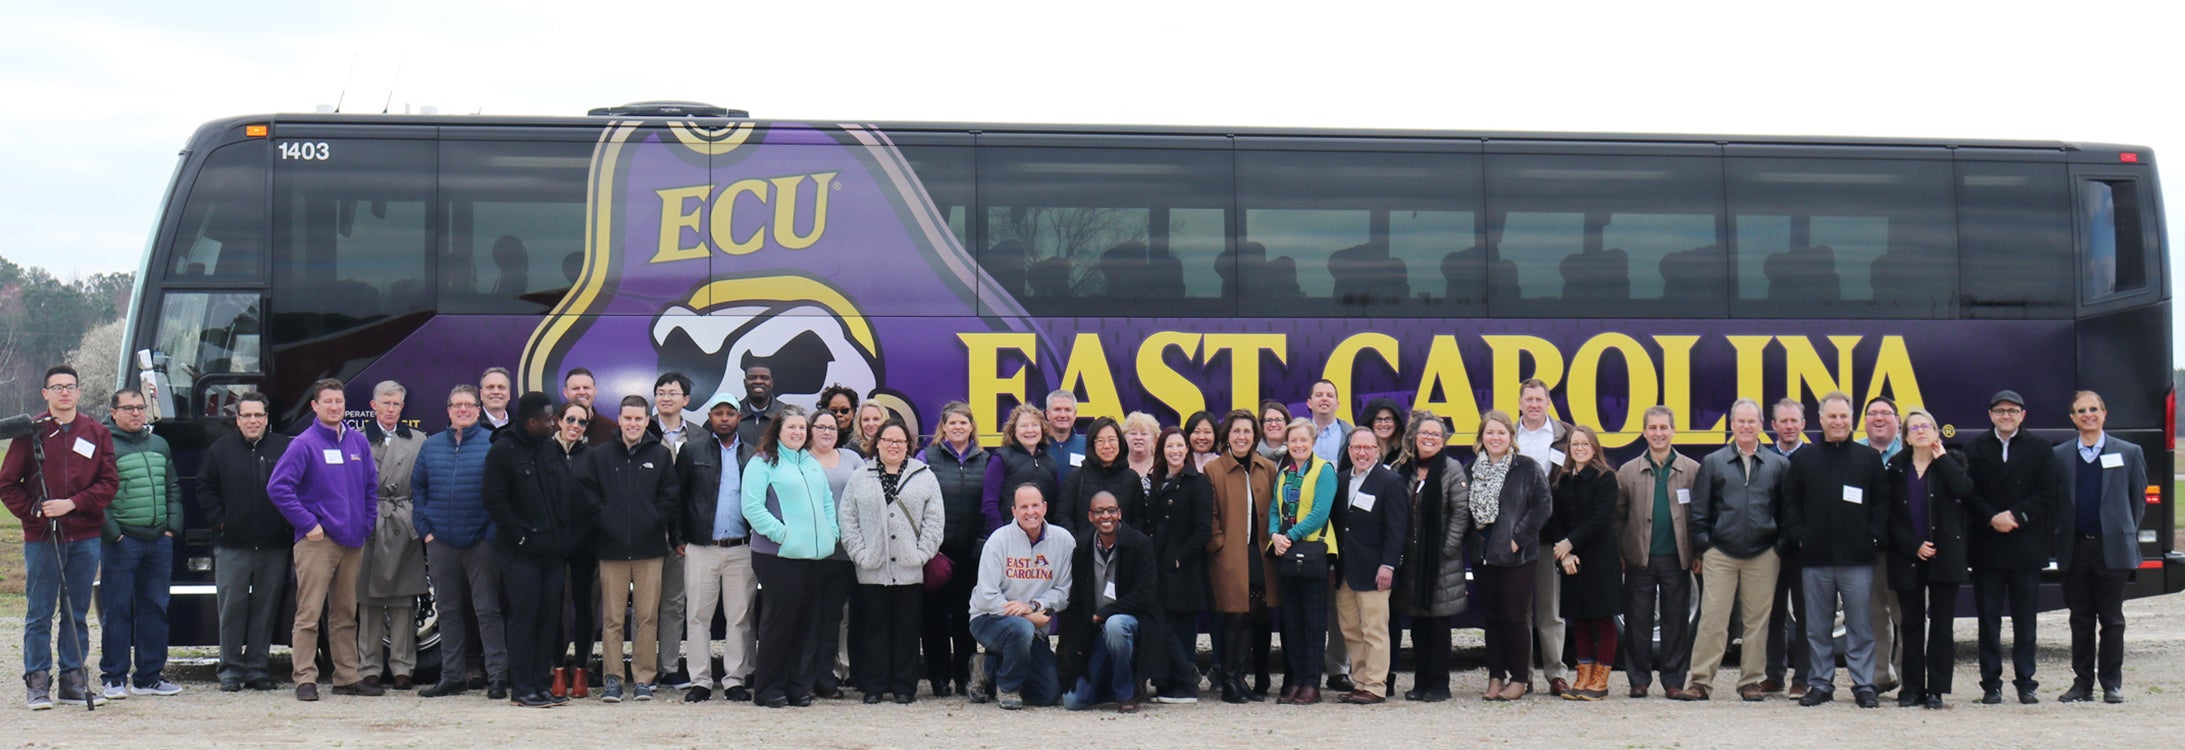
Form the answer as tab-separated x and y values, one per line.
328	481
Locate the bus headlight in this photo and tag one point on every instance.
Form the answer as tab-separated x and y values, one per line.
200	564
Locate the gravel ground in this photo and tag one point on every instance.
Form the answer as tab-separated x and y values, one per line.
2155	659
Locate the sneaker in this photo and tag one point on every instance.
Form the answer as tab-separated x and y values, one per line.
643	692
114	691
440	689
677	680
1176	697
161	688
1011	700
231	685
39	689
610	690
699	694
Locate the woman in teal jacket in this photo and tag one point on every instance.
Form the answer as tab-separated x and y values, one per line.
1299	516
792	515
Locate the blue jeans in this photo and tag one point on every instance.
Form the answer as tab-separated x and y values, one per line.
43	569
1027	663
133	578
1109	667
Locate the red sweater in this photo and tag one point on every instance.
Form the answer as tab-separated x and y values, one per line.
69	473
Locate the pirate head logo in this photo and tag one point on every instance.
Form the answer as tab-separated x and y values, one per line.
806	333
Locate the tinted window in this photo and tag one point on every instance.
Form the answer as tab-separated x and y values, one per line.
2014	239
1075	230
1593	236
353	243
206	335
1844	238
1357	233
513	222
945	173
223	231
2115	260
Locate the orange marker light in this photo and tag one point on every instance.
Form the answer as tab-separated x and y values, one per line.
254	131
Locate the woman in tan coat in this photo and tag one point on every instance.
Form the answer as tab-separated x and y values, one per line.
1241	580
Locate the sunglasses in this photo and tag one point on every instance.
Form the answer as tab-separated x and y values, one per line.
578	421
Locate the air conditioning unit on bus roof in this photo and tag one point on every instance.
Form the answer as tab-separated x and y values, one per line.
667	109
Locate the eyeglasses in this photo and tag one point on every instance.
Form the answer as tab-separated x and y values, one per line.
578	421
462	405
1107	512
2007	412
667	394
894	441
2087	410
131	408
1379	420
62	388
1922	428
1273	420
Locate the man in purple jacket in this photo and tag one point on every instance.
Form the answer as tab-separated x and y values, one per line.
327	486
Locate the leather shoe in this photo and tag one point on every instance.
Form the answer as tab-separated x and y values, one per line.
2112	695
1991	697
1494	690
833	693
1558	686
1127	706
1306	694
1752	693
905	699
1799	690
872	698
1693	693
1771	686
534	700
496	690
2077	694
1515	690
307	691
1639	691
698	694
403	682
737	693
1816	697
1909	699
1341	683
1867	698
439	689
1289	696
941	689
1361	697
366	688
1934	700
231	685
801	701
260	683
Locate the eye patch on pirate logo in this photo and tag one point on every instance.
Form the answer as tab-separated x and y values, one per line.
679	352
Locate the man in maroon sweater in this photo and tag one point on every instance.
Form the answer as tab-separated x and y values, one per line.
68	492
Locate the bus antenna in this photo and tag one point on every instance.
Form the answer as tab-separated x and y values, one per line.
391	84
345	81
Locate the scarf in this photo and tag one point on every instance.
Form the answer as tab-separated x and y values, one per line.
1487	476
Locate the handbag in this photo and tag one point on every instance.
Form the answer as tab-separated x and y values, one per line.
937	570
1306	559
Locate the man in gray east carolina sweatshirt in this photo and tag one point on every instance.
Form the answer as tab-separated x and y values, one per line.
1024	578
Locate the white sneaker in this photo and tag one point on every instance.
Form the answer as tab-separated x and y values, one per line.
115	691
163	688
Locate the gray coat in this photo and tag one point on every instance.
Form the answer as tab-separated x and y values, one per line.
394	556
2121	503
1446	592
880	538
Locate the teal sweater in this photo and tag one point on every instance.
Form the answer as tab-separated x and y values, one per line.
149	502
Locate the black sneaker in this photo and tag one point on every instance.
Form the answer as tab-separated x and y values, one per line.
2112	695
535	700
2027	698
1817	697
231	685
2077	694
1991	697
1341	683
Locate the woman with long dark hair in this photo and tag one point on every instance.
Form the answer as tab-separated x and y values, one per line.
834	578
1240	578
1430	586
1106	469
793	523
1588	558
1199	434
1182	511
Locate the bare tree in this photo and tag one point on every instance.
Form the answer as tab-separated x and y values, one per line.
96	360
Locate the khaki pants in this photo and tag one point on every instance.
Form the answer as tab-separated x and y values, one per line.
1548	613
1887	617
1727	581
618	580
326	584
394	626
1363	616
720	578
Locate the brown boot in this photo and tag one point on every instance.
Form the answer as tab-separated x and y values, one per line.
1582	679
578	686
560	688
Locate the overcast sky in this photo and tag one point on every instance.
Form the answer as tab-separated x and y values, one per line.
96	98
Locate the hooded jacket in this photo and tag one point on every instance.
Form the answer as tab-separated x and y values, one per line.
148	501
530	491
888	549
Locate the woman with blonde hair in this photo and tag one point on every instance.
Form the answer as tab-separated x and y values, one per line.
1509	503
1021	459
1303	545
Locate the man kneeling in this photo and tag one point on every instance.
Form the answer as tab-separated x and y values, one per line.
1113	608
1024	575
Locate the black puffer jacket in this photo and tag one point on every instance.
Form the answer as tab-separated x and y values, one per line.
231	490
632	496
1092	479
531	491
963	487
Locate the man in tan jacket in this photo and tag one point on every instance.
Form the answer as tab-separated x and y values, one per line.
1653	497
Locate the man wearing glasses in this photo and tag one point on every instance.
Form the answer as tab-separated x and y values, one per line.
251	542
136	560
671	394
69	490
2098	549
449	507
2010	514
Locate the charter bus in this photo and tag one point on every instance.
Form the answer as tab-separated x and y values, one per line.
1163	269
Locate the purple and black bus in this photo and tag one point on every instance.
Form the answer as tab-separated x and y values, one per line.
1162	269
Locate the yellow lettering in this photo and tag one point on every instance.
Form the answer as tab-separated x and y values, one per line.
785	210
1342	366
677	215
1640	375
1752	375
982	360
724	213
1677	391
1893	369
1164	384
1803	370
1088	365
1245	350
1444	374
1508	351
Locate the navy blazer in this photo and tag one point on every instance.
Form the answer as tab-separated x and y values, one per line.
2122	503
1371	538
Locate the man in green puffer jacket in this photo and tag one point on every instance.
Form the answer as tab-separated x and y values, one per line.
136	559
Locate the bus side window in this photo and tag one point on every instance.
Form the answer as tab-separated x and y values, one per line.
2115	259
1843	236
2014	236
1606	234
511	212
1354	232
205	336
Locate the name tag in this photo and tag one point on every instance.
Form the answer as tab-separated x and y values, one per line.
2109	460
1109	591
1077	460
1362	501
1556	457
648	464
1854	495
333	456
84	448
1684	497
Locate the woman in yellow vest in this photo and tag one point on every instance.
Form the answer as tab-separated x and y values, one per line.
1303	545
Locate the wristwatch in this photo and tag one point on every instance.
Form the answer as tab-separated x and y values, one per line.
1046	611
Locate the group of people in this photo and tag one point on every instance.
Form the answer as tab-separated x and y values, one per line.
884	561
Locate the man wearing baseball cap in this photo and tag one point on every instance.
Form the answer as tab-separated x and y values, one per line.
717	554
2011	517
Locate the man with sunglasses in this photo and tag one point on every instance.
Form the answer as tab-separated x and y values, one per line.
251	542
2010	515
